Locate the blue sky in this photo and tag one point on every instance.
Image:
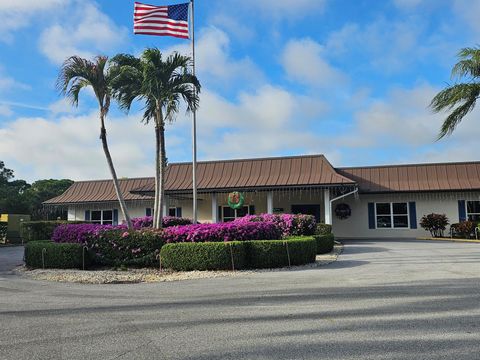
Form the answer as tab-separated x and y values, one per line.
349	79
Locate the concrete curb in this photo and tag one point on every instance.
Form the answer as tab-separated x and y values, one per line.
449	239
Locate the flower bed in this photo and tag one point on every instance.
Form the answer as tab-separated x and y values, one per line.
128	248
289	224
167	221
232	231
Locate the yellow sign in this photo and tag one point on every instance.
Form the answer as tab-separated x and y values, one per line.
4	217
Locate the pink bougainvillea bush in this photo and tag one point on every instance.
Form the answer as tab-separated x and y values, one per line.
232	231
76	233
117	247
289	224
167	221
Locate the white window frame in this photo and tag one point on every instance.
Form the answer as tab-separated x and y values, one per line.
101	216
235	217
392	227
466	209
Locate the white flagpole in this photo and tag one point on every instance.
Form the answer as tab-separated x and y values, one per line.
194	126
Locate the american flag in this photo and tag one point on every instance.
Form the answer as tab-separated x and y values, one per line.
169	20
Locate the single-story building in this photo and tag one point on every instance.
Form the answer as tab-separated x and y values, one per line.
360	202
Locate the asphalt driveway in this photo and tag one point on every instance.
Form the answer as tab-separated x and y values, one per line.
380	300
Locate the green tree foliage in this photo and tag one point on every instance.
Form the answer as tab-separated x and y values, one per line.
19	197
459	99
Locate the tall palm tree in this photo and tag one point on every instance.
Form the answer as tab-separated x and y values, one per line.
76	74
459	99
161	84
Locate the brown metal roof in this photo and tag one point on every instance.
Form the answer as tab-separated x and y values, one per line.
294	171
263	173
99	191
415	177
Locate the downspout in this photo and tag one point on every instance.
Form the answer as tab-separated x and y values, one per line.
342	196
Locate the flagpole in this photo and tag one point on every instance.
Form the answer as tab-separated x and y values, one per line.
194	126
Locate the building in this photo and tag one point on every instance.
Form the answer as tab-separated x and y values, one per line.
359	202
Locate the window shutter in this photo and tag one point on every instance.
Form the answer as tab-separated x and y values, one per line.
115	216
179	212
251	210
87	215
371	215
148	211
462	213
220	217
412	210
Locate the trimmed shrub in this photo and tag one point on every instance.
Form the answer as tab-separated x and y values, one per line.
230	231
167	221
325	243
289	224
77	233
323	229
40	230
203	256
273	253
59	256
435	223
464	229
3	231
137	248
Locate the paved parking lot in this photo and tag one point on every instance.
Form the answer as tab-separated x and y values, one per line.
380	300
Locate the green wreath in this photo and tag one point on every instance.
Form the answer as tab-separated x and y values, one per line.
235	200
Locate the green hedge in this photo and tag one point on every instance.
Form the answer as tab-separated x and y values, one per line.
40	230
203	256
325	243
273	253
246	254
3	231
323	229
59	256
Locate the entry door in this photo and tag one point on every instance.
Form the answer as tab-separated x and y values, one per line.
307	209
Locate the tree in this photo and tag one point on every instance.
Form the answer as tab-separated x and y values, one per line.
162	84
459	99
42	190
78	73
13	197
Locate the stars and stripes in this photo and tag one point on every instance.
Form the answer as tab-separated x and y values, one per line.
171	20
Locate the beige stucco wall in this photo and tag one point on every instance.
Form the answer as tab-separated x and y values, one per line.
356	226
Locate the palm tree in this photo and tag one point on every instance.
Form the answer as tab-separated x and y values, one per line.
461	98
162	84
76	74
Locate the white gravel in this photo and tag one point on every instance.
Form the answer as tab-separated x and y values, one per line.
155	275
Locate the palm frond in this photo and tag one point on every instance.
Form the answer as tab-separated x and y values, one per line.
468	64
460	99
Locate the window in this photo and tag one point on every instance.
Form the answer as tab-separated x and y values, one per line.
391	215
175	211
473	211
229	214
104	217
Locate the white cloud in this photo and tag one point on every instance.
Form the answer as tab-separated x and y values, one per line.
214	62
16	14
70	147
468	11
304	61
402	128
5	110
8	83
62	106
86	32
